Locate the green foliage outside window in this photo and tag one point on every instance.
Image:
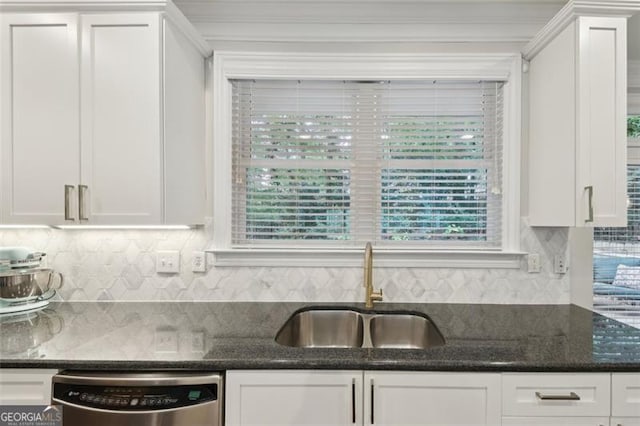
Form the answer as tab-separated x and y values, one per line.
633	126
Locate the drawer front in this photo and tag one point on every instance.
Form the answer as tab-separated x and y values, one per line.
25	386
625	391
556	421
625	421
556	394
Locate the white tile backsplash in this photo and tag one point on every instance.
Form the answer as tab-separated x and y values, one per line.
120	265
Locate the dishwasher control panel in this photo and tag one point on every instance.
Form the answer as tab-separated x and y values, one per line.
135	398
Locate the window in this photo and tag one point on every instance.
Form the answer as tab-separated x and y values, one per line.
616	258
314	154
320	163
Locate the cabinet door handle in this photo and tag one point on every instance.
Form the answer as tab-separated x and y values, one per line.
67	202
589	189
353	401
81	191
372	406
572	396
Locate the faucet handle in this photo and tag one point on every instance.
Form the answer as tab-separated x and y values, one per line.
376	295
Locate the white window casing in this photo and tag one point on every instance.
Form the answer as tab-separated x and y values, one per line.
232	68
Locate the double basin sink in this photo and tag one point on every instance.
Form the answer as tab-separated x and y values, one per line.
350	328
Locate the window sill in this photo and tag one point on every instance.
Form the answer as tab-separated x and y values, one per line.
354	258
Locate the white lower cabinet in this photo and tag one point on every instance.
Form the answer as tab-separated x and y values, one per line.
625	399
25	386
304	397
293	398
556	395
338	398
625	421
442	399
555	421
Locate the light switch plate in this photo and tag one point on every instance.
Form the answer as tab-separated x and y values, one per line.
168	262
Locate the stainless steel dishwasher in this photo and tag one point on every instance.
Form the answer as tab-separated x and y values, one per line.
139	399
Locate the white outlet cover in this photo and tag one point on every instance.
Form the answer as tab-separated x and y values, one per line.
533	263
198	261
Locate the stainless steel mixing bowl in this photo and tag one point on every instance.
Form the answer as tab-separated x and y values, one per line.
21	284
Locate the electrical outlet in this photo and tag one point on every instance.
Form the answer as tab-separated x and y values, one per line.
533	263
560	264
197	341
168	262
198	262
166	340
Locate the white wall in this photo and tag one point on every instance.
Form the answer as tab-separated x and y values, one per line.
120	265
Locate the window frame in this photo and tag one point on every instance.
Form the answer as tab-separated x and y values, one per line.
249	65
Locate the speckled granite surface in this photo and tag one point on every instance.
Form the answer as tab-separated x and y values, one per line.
221	336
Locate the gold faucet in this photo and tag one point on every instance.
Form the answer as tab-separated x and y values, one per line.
371	295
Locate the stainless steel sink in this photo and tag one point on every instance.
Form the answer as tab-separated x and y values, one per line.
323	329
348	328
403	331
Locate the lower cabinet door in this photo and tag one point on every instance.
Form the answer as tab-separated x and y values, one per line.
25	386
625	391
277	397
555	421
442	399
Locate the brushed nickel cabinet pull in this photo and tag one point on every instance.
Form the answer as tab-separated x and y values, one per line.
590	191
81	191
572	396
67	201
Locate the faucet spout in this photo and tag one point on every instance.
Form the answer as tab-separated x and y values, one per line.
370	295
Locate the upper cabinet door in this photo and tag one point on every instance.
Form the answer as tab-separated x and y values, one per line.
39	147
121	141
577	124
602	117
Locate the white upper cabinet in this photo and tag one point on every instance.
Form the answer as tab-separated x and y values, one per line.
39	114
577	127
121	123
95	130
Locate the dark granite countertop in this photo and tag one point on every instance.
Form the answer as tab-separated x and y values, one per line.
222	336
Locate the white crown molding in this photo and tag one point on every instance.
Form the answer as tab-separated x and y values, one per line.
188	30
170	11
368	21
363	66
572	10
43	6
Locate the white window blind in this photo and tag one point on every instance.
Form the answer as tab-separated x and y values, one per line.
334	163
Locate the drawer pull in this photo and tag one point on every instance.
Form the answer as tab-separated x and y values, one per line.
571	397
